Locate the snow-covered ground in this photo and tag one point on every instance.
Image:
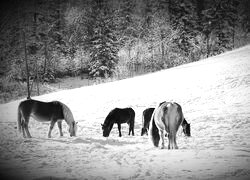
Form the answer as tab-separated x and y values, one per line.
215	97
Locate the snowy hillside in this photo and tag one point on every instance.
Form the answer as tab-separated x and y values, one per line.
215	97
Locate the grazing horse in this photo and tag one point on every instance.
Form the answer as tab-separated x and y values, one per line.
119	116
146	116
186	128
54	111
167	117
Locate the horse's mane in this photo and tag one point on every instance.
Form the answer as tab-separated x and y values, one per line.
109	116
68	116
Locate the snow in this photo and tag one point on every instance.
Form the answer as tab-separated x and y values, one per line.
215	97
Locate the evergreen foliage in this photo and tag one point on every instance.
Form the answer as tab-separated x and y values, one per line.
106	37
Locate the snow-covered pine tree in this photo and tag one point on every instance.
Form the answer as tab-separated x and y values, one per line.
219	20
103	46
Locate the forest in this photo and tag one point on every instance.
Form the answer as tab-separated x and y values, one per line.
42	40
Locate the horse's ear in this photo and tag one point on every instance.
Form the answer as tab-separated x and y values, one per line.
101	124
76	122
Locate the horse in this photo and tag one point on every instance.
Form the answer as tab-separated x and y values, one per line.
146	117
53	111
168	116
186	128
119	116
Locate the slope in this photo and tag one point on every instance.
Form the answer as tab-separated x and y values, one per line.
215	97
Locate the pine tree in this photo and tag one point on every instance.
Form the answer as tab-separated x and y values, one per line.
103	47
219	20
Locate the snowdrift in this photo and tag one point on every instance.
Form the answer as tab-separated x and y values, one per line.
214	94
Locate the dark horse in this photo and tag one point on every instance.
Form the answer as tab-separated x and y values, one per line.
119	116
146	117
54	111
167	117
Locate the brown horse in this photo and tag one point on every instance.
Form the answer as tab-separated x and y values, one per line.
167	117
146	116
54	111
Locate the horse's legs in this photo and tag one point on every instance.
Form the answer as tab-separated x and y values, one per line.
142	131
161	133
131	129
59	123
119	129
172	141
131	126
22	125
25	127
175	144
52	123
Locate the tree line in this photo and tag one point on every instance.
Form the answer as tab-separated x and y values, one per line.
106	38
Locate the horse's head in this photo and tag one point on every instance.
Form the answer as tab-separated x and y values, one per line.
187	129
73	128
144	131
106	130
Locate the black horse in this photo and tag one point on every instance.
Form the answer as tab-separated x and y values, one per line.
119	116
146	117
54	111
186	128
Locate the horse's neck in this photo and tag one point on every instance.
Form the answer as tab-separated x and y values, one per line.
184	122
69	122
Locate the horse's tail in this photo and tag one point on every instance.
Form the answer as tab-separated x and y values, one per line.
19	118
143	124
154	132
68	116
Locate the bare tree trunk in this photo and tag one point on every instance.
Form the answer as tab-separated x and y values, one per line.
233	35
208	47
37	80
46	57
35	35
27	67
162	50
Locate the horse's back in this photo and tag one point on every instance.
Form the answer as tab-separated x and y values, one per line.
168	116
126	115
121	115
26	107
42	110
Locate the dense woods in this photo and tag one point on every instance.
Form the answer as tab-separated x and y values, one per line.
114	38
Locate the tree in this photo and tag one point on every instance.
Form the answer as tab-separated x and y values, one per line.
219	20
104	46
